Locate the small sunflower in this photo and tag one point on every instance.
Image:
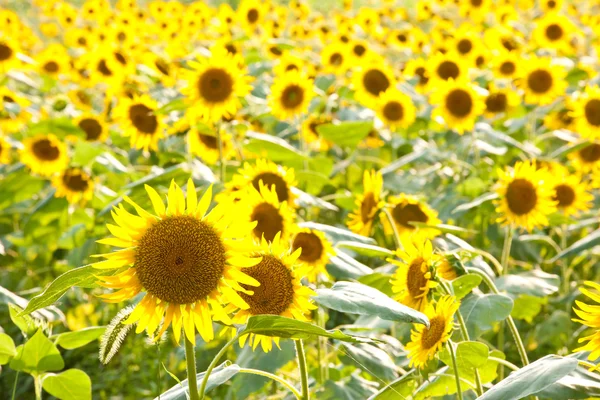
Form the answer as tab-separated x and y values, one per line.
395	109
8	54
206	145
359	50
188	263
139	120
250	14
526	198
44	154
74	184
560	119
215	86
5	149
310	134
335	58
554	31
542	82
372	141
586	113
368	204
371	80
316	251
571	194
280	291
506	64
426	342
500	101
589	315
458	104
13	116
405	209
414	277
417	67
586	159
161	67
93	126
448	266
446	66
291	94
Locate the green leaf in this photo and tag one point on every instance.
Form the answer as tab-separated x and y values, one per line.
566	149
579	246
347	133
72	384
86	152
73	340
114	335
342	266
579	384
218	376
526	307
402	161
370	359
469	355
481	311
368	250
37	355
356	298
475	203
531	378
445	228
401	388
535	283
272	147
173	105
337	234
25	323
378	281
7	348
463	285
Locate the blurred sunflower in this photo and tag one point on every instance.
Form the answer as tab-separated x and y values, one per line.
426	342
549	6
291	94
414	276
500	101
372	79
554	31
561	119
311	136
395	109
446	67
586	159
53	61
368	204
5	149
316	251
525	196
586	113
571	193
74	184
458	104
589	315
13	116
280	292
250	14
417	68
206	145
505	64
139	121
335	58
44	154
542	82
405	209
187	278
8	54
93	126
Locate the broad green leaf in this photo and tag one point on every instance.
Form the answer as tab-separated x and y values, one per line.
469	355
86	152
347	133
579	384
73	340
354	388
72	384
481	311
7	348
402	161
532	378
37	355
114	335
356	298
475	203
401	388
463	285
370	359
25	323
444	228
173	105
579	246
535	283
272	147
342	266
218	376
368	250
527	307
337	234
277	326
378	281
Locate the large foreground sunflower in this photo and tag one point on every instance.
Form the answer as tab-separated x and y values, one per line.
426	342
139	120
290	95
74	184
44	154
316	251
368	204
280	291
525	196
589	315
188	262
458	104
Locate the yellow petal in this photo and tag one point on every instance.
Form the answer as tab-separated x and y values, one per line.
157	203
192	198
204	202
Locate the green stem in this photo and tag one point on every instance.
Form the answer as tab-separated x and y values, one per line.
221	159
394	228
491	258
303	369
37	383
213	364
14	391
190	358
502	361
450	346
273	377
506	249
564	265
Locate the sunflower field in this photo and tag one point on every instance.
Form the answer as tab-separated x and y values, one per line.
327	200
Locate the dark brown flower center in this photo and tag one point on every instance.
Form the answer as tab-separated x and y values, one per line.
103	68
312	247
91	127
215	85
276	291
180	259
496	102
509	43
404	214
551	4
420	72
564	194
292	96
269	179
432	335
590	153
209	141
120	58
539	81
554	32
479	61
476	3
143	119
5	52
375	82
336	59
252	15
508	68
521	196
459	103
359	50
447	70
162	66
415	278
393	111
367	207
464	46
44	150
75	181
51	67
592	112
269	221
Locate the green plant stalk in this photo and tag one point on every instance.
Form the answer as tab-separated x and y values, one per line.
273	377
303	369
564	266
504	363
450	346
190	358
221	158
213	364
14	391
394	228
504	262
37	383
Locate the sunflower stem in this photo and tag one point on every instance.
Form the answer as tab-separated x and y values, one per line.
213	364
303	369
564	266
506	249
14	391
37	383
394	228
221	158
273	377
190	358
450	346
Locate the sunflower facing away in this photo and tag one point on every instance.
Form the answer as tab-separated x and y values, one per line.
138	119
458	104
188	263
542	82
368	204
406	209
280	291
290	95
395	109
586	113
44	154
525	196
74	184
426	342
316	250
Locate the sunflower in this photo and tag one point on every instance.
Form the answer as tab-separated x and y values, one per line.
395	109
267	172
586	112
335	58
74	184
586	159
542	82
571	194
316	250
93	126
206	145
53	62
13	116
372	141
446	66
291	94
44	154
138	119
280	292
589	315
505	64
4	151
554	31
372	79
8	54
458	104
368	204
405	209
250	14
561	119
311	136
500	101
215	86
426	342
414	277
290	62
549	6
526	198
188	262
359	50
417	68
